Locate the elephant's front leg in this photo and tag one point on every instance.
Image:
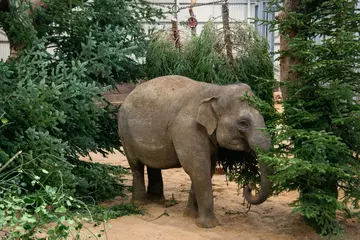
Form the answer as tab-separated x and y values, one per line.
194	151
204	196
199	170
192	208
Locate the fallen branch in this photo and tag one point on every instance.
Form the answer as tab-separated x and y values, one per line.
165	213
11	159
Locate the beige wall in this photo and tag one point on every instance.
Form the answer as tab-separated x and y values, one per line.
4	46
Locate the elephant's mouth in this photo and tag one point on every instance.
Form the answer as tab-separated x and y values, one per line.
239	145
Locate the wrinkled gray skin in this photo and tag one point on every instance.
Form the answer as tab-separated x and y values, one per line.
172	122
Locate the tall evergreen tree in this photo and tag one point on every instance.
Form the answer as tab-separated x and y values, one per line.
318	144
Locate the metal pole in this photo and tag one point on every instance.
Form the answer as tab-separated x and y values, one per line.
176	7
248	10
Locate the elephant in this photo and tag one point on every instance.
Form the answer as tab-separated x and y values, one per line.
173	122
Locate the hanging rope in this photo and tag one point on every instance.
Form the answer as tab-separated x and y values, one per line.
202	4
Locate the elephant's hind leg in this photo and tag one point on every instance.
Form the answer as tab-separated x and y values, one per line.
138	187
155	191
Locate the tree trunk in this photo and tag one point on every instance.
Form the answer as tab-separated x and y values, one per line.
286	62
227	33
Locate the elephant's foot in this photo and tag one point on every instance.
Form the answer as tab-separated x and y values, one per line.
156	198
208	222
191	212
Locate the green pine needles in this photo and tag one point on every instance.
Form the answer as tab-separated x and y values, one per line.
317	146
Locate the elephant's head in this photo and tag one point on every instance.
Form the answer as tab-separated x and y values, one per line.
237	126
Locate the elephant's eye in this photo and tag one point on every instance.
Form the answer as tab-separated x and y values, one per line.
242	124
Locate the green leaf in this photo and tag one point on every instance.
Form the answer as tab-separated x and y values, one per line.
61	209
4	121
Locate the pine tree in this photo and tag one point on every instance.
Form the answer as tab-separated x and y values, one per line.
318	144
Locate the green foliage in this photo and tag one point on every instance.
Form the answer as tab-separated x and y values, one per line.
97	182
52	114
52	109
99	213
52	101
203	58
240	167
108	34
317	142
25	214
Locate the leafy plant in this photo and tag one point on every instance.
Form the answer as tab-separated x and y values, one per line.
98	182
24	215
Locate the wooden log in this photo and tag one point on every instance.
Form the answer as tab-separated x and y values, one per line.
227	33
175	31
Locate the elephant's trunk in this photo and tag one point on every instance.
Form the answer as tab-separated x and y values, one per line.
265	188
262	141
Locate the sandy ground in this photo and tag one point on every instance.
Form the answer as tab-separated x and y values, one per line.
272	220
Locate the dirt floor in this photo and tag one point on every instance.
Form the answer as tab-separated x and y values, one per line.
272	220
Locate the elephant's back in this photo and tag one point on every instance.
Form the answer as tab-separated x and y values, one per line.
165	86
161	93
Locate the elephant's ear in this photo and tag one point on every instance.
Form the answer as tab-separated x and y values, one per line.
207	116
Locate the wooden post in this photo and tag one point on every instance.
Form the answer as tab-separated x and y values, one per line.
175	30
286	75
227	33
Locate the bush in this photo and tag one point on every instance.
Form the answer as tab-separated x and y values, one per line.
52	114
49	211
25	214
